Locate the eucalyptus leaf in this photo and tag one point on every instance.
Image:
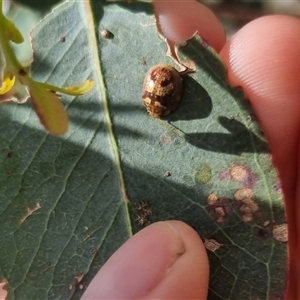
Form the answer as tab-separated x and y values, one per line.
67	203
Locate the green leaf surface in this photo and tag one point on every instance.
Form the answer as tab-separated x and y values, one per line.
67	203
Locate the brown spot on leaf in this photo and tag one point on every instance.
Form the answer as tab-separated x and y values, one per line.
212	199
143	213
247	206
243	194
220	212
243	174
238	173
280	232
219	207
212	245
30	211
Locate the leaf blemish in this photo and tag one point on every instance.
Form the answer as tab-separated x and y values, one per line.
167	174
243	174
144	211
203	174
219	207
212	245
31	211
280	232
246	205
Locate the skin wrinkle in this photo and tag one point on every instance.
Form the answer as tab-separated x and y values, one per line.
176	282
179	251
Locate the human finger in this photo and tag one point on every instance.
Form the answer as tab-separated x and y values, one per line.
154	264
263	58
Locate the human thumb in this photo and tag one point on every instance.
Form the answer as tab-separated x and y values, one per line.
166	260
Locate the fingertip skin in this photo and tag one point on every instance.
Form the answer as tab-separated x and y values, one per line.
188	277
3	292
263	58
154	264
178	21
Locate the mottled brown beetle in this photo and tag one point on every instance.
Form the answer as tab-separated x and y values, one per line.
162	90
